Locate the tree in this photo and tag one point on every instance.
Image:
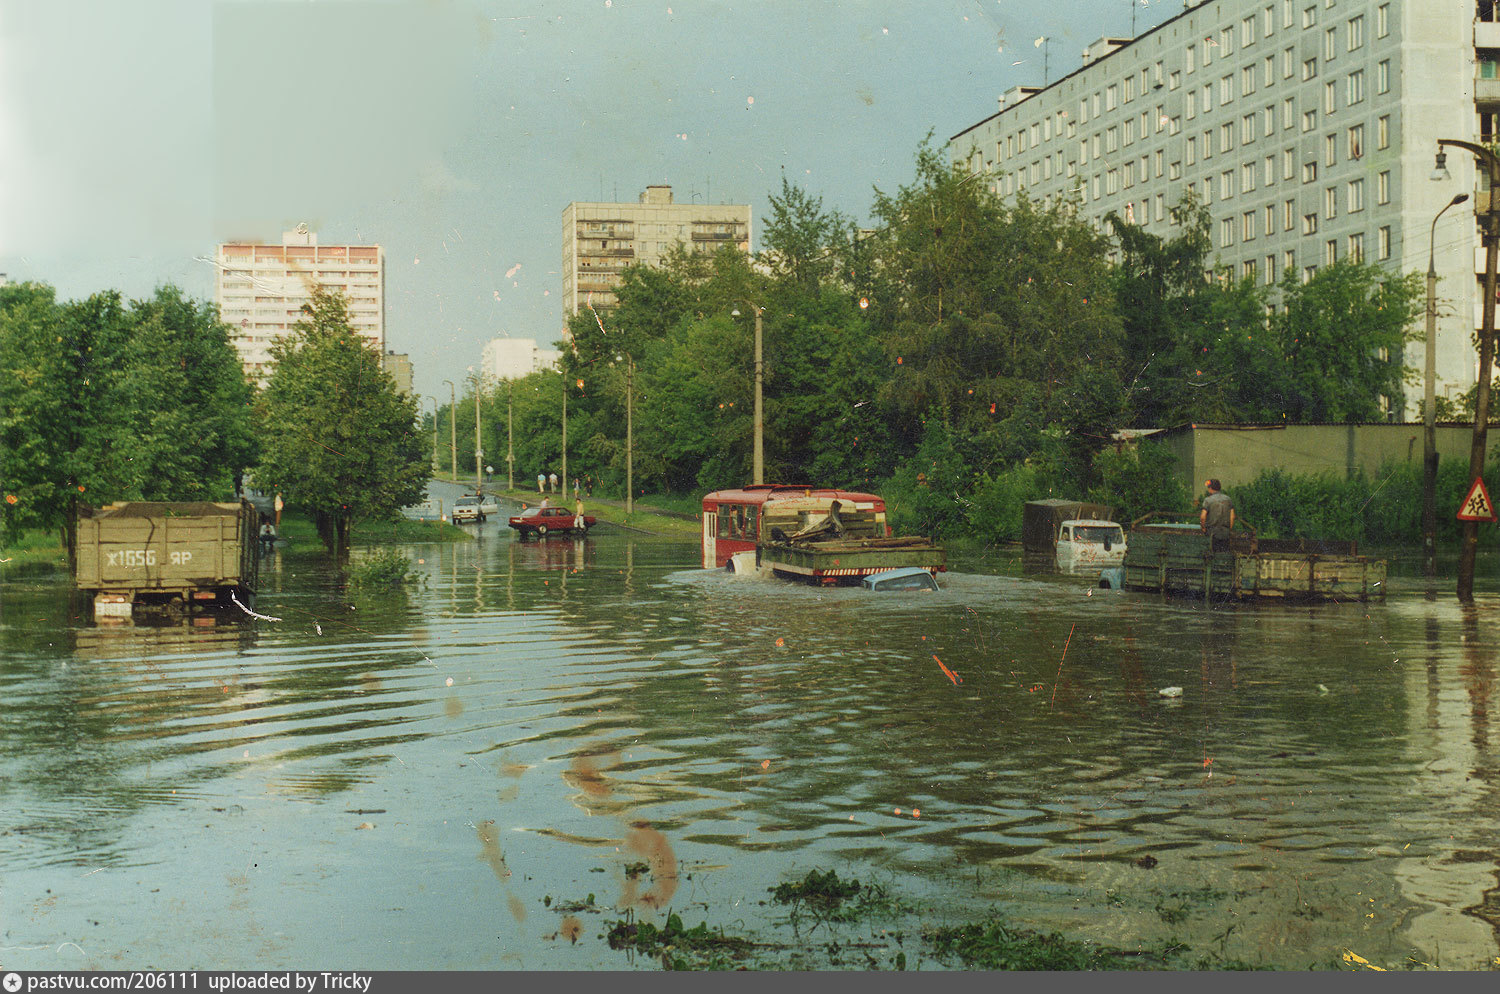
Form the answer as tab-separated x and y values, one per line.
1343	334
101	401
336	436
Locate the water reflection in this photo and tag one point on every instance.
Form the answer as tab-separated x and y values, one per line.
538	722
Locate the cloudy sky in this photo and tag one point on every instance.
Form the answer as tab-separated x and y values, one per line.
134	136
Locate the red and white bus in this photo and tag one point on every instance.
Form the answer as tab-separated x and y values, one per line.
733	519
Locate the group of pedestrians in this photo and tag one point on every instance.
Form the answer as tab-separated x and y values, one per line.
544	480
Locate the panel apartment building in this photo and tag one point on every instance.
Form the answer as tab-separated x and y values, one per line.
1308	128
261	290
601	239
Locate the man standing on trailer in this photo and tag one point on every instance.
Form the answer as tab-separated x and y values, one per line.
1217	517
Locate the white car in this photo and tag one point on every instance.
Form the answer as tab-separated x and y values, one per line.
467	509
489	504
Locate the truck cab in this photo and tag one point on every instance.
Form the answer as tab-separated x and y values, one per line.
1089	544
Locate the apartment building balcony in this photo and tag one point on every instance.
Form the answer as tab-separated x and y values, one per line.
589	286
713	236
1486	34
1487	92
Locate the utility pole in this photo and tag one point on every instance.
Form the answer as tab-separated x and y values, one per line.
478	449
1429	407
629	435
565	434
510	440
452	432
434	434
1490	229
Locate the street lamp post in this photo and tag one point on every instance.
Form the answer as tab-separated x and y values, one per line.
565	433
434	433
759	465
629	361
510	439
1429	407
478	449
1490	228
452	432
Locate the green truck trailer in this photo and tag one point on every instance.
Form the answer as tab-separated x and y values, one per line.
170	554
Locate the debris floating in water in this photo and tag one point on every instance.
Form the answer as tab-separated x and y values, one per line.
1170	692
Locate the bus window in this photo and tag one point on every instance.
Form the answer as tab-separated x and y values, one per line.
752	524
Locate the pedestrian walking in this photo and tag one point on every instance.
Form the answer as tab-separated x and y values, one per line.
541	483
577	489
552	479
578	522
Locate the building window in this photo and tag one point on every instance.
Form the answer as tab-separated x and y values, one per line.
1288	161
1247	177
1357	141
1130	131
1192	58
1383	132
1247	129
1383	77
1226	42
1288	113
1331	150
1174	79
1111	140
1247	226
1226	232
1356	87
1309	69
1309	172
1247	31
1288	61
1208	98
1309	120
1330	97
1174	170
1109	97
1270	270
1356	34
1268	172
1226	90
1226	137
1331	203
1247	80
1247	270
1355	249
1268	71
1330	44
1309	16
1112	182
1129	88
1356	195
1174	126
1208	145
1160	158
1330	252
1161	206
1382	20
1192	150
1270	121
1270	219
1308	272
1383	187
1383	243
1226	184
1309	224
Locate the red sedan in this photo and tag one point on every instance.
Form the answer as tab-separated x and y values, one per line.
544	521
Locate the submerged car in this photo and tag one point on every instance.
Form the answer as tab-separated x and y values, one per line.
467	509
543	521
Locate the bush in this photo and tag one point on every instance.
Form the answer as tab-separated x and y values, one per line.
996	511
1137	480
386	568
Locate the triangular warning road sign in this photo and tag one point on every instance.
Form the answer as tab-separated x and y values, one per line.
1477	506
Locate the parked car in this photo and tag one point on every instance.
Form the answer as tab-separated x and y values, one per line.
543	521
467	509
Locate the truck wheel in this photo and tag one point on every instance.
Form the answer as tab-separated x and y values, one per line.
541	530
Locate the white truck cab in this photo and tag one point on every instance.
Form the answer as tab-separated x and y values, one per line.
1089	544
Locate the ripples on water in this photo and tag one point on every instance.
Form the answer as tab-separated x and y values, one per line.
421	779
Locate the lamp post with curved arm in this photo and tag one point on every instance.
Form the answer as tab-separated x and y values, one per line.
452	431
759	465
1490	230
1429	407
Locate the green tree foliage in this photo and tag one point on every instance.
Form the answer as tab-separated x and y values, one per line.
337	438
1138	479
102	400
1196	349
1343	334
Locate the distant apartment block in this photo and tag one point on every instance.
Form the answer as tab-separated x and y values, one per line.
1308	129
601	239
398	367
512	358
261	290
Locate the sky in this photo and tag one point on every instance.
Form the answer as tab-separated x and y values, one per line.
136	136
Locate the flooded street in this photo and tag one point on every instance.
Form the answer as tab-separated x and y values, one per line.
468	775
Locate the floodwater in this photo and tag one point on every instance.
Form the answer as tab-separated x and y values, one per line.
458	776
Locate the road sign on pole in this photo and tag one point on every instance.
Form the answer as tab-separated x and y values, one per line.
1477	506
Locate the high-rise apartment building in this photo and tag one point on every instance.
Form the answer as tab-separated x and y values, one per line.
512	358
397	366
1308	129
601	239
261	290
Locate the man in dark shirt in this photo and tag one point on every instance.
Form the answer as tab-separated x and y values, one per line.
1217	516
